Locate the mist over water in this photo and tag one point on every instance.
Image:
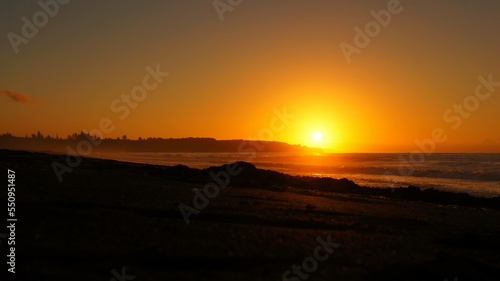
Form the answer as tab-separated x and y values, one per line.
476	174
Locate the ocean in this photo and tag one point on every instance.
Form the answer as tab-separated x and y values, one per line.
475	174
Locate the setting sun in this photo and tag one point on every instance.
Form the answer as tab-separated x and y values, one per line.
317	136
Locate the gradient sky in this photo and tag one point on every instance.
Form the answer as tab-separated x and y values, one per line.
227	78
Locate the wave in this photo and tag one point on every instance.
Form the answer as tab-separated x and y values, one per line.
479	174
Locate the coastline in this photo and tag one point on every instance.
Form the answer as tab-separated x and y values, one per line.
108	214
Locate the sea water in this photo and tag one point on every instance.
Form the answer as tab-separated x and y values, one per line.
476	174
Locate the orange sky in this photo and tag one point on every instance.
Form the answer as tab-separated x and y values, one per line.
226	79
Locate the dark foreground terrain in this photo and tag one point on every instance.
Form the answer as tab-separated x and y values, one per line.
109	218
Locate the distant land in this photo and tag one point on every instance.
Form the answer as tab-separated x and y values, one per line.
39	142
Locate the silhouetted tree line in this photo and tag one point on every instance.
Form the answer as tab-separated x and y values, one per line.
42	142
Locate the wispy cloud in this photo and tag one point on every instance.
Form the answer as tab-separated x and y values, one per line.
18	97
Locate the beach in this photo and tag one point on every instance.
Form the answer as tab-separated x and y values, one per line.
108	216
250	140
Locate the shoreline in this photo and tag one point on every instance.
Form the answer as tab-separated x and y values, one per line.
401	192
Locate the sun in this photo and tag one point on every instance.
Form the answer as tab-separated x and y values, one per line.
317	136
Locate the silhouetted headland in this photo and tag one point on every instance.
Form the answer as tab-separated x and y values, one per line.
39	142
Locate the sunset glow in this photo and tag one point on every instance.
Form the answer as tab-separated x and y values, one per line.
235	74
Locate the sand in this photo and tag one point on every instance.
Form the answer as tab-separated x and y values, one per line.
109	215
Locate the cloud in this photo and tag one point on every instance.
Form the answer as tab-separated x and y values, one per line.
18	97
